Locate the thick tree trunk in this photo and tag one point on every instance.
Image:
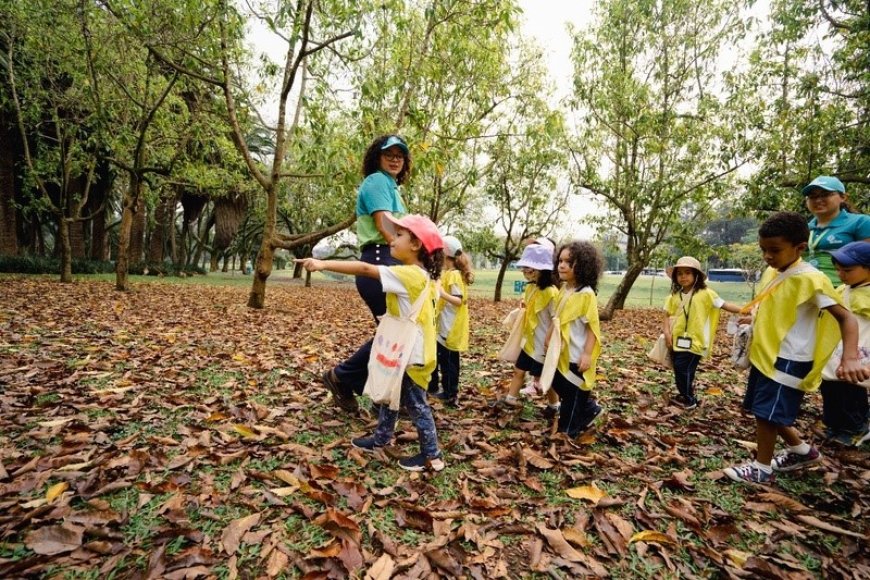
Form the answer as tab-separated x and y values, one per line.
137	231
8	215
499	280
163	215
77	238
617	300
263	267
63	227
122	264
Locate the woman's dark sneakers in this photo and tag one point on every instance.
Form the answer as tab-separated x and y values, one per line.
344	402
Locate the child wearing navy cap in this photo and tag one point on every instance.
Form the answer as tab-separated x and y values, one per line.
845	406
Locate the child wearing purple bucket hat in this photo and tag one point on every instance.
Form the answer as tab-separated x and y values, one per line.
536	263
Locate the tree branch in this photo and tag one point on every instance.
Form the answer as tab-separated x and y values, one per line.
312	237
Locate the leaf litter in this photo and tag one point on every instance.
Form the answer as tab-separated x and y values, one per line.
172	432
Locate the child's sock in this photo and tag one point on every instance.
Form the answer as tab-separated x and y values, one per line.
801	449
762	467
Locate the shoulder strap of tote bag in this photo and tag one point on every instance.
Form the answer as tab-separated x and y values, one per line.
417	306
772	285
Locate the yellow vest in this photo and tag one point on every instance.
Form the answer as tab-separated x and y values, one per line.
777	313
703	319
415	281
573	305
536	300
859	300
457	337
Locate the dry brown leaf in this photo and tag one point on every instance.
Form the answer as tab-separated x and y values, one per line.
814	521
277	563
783	501
652	536
559	544
232	534
590	493
382	569
51	540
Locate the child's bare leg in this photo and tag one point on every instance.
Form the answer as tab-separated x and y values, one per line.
552	397
765	437
790	435
517	380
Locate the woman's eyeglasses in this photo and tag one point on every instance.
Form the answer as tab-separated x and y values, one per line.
393	156
824	194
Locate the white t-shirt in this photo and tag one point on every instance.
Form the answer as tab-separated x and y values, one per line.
577	334
545	318
448	314
800	341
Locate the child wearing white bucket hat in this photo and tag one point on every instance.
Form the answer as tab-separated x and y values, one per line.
691	319
452	312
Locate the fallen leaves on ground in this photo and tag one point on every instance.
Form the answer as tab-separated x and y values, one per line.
173	432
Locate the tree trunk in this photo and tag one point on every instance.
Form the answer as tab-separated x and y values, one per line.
263	267
297	271
137	232
77	231
8	214
122	264
500	278
65	248
617	300
163	215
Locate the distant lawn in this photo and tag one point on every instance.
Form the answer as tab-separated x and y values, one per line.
647	291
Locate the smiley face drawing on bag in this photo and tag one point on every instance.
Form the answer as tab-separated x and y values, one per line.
391	365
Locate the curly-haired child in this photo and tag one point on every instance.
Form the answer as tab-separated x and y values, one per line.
579	265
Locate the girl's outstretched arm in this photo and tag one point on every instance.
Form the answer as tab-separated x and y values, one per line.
731	307
352	267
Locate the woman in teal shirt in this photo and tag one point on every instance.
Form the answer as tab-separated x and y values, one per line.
386	165
832	226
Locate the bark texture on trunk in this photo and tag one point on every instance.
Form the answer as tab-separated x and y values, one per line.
65	249
8	214
137	231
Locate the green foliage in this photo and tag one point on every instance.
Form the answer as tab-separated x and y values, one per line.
650	140
806	101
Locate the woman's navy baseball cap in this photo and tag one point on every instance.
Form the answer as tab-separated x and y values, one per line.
395	140
853	254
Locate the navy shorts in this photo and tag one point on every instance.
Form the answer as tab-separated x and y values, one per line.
772	401
530	365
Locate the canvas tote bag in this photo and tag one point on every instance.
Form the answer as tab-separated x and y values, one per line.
661	352
554	349
514	344
393	344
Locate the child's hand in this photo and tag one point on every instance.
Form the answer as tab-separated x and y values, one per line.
585	362
851	371
311	264
669	340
